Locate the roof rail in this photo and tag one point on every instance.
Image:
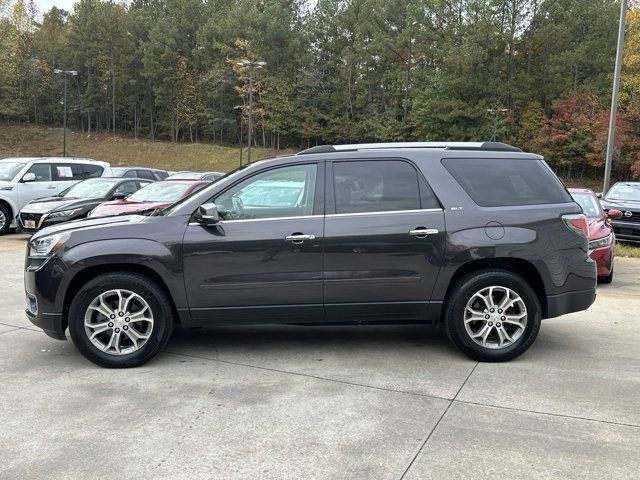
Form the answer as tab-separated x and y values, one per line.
483	146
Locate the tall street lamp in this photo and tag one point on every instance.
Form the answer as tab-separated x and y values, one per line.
251	65
65	73
496	111
240	108
614	98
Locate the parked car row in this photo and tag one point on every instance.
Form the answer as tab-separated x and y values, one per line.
40	192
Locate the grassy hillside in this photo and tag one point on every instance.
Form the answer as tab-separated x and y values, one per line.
25	140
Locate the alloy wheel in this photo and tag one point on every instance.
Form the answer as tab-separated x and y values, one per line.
118	322
495	317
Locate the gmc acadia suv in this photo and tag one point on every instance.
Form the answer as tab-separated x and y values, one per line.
479	238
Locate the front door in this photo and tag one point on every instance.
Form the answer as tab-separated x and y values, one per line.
384	240
263	260
42	186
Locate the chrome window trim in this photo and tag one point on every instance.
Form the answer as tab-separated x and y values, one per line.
384	212
423	210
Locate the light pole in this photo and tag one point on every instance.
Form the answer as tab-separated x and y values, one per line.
251	65
65	73
496	111
614	98
240	108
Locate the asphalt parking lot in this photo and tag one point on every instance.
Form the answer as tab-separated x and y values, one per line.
280	402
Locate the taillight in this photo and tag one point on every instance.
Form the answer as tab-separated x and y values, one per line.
577	223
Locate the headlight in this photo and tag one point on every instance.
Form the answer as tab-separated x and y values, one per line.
47	245
601	242
65	213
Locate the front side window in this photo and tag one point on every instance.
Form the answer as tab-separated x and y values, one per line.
42	171
375	186
126	188
281	192
146	174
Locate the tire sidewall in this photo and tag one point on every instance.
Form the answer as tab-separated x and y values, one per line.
8	219
155	298
471	285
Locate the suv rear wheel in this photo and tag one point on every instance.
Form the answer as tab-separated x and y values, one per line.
120	320
493	315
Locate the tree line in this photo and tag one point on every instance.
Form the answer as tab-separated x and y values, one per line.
337	71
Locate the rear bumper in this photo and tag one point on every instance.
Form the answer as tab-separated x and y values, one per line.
569	302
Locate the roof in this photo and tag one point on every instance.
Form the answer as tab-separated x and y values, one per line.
52	159
483	146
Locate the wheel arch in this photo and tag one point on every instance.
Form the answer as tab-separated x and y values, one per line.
90	272
518	266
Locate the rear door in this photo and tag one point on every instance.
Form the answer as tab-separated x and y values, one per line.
384	239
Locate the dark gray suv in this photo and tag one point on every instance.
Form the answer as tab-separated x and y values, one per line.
479	238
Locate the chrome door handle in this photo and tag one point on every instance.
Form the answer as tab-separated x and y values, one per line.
51	187
299	237
423	232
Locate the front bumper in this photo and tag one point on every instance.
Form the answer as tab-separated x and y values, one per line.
604	259
44	306
41	221
569	302
627	231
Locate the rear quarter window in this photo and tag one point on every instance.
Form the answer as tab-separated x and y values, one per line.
504	182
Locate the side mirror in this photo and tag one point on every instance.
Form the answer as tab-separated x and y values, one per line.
599	194
29	177
613	213
207	214
119	196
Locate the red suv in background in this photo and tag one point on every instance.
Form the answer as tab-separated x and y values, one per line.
601	238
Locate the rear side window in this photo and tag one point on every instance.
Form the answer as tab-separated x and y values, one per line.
92	171
378	186
495	183
67	172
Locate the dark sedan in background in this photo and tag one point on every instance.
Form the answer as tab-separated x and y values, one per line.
75	202
624	196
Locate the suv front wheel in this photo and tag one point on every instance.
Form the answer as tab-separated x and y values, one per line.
120	320
492	315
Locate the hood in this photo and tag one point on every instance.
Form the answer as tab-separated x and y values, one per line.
621	204
122	207
6	186
57	204
84	224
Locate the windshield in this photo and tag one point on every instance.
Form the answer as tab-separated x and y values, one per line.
89	189
589	203
160	192
8	170
624	191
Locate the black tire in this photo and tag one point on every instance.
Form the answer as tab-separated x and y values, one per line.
5	213
606	278
465	289
158	302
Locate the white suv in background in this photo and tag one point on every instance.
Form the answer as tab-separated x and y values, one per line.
23	179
